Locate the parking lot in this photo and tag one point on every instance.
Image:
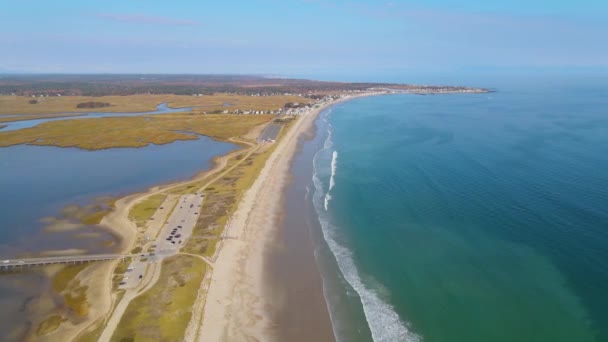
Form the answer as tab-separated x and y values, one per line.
171	235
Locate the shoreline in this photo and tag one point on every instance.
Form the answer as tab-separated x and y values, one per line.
117	222
239	305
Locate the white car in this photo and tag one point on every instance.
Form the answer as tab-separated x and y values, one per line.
6	261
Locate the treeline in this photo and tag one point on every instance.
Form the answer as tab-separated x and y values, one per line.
101	85
290	105
93	105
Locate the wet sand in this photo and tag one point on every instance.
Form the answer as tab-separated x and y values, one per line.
245	300
293	273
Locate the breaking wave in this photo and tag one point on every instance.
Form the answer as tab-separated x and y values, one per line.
332	182
384	323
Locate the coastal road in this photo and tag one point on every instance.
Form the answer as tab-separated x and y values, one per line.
271	132
68	259
169	237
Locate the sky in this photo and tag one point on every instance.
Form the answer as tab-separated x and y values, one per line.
301	37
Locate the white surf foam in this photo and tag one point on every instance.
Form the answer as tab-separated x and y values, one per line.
384	323
332	182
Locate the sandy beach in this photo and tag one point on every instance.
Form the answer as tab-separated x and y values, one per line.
99	276
241	302
240	306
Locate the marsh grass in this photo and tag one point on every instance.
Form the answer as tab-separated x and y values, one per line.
139	131
144	103
142	211
163	312
222	197
66	284
50	324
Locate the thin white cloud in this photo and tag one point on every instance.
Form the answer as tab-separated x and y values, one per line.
146	19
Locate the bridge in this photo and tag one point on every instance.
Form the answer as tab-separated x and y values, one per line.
11	264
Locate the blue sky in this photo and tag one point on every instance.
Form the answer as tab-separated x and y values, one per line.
300	37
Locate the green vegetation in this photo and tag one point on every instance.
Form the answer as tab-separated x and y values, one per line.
49	325
163	312
92	104
90	214
222	198
67	285
119	271
139	131
94	334
142	211
142	103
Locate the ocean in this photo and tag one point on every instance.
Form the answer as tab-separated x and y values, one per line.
466	217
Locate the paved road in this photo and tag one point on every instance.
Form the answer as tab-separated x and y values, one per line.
179	227
60	260
271	132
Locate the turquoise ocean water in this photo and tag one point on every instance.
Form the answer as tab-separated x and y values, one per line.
467	217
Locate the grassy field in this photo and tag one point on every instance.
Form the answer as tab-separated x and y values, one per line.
163	312
142	211
143	103
95	134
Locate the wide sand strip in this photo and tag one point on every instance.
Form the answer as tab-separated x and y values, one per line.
237	307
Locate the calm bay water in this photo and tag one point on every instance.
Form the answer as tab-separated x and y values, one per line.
38	181
469	217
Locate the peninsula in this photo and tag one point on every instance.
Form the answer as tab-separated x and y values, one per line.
197	248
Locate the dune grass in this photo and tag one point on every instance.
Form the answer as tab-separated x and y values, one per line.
163	312
143	103
222	198
139	131
142	211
